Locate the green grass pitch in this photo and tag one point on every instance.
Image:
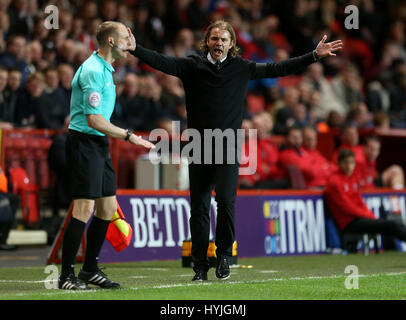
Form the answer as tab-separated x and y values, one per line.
381	276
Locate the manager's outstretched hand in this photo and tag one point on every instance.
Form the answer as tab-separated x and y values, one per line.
132	40
326	49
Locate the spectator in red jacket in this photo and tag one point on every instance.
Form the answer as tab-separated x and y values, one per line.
268	174
347	206
350	140
293	154
367	174
324	167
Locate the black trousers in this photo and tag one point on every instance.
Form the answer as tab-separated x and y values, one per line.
224	179
381	226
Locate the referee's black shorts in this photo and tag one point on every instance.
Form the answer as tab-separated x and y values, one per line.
91	172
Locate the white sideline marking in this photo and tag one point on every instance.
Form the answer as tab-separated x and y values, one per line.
206	283
268	271
26	281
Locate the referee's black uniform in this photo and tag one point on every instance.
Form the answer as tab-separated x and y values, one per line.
215	99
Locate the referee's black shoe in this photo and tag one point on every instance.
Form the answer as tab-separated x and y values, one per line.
223	268
97	278
71	283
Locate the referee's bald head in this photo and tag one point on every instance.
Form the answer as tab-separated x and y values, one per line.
108	29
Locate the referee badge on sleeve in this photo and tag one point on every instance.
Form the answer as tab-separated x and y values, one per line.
94	99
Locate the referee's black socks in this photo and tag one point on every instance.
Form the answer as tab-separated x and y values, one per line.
96	233
71	243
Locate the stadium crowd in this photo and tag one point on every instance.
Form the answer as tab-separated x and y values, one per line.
362	87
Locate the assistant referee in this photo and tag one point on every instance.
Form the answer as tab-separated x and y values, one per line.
91	173
215	88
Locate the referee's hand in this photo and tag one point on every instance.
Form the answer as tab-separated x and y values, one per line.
139	141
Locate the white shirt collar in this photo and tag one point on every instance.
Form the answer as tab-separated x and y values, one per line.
210	58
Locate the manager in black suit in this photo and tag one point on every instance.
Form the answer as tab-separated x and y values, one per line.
215	88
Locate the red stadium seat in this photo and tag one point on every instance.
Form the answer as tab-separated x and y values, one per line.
28	194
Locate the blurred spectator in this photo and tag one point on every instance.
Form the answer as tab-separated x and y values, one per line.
10	94
134	110
367	174
39	32
349	138
36	53
108	10
88	38
176	17
301	116
197	12
317	160
182	45
77	28
67	52
268	174
381	121
20	20
335	120
328	99
13	57
88	10
65	74
360	116
56	117
284	118
347	86
5	121
292	153
31	101
4	27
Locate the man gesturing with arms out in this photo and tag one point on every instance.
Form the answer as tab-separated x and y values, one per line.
91	172
215	87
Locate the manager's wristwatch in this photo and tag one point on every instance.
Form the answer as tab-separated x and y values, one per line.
129	133
315	56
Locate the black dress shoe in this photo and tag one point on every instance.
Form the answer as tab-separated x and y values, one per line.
200	276
223	268
8	247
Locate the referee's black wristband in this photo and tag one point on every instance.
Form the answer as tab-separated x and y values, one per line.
129	133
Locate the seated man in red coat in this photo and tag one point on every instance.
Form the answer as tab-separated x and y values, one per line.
324	167
367	174
347	206
268	174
